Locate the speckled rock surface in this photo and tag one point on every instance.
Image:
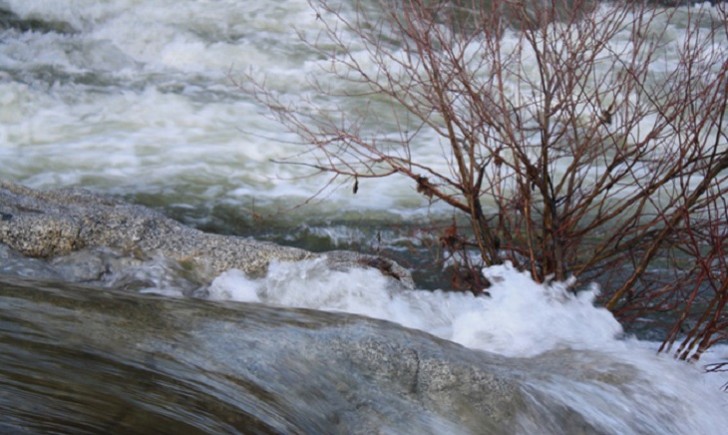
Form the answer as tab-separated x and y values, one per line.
46	224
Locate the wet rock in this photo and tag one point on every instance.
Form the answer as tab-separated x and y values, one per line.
291	371
182	365
48	224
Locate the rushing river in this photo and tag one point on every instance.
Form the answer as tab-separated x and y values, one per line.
135	98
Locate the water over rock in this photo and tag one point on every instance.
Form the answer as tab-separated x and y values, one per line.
53	223
76	358
231	368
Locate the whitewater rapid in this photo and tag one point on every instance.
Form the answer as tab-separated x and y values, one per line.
136	98
519	317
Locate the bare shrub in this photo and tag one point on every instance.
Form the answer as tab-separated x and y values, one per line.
579	138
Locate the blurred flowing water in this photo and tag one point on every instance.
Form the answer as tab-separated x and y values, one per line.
135	98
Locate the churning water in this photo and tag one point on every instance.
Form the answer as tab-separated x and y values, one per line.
135	98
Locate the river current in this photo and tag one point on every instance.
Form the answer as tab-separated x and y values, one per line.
137	99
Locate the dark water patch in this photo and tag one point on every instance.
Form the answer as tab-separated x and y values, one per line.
53	75
10	20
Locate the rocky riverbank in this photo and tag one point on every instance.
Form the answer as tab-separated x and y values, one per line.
54	223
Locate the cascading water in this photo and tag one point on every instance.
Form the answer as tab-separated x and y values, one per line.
89	358
135	98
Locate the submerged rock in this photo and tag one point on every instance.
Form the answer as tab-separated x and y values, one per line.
74	360
53	223
250	368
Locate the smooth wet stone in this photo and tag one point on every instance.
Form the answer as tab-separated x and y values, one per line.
279	370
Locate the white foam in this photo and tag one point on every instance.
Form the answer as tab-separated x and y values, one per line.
716	354
521	318
234	285
309	284
166	109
